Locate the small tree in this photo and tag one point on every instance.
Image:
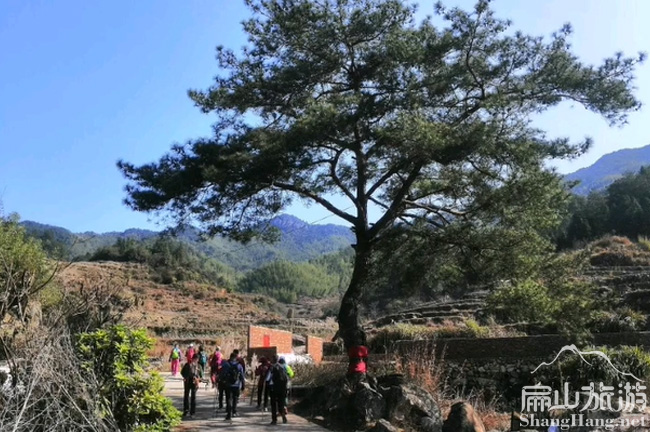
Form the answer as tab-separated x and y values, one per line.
24	269
132	394
353	98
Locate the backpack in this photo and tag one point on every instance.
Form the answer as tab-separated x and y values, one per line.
176	354
232	375
279	375
203	358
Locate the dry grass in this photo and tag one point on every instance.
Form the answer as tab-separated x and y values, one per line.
421	367
615	251
383	338
175	308
53	395
611	242
311	375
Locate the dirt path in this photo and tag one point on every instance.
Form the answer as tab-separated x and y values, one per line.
250	420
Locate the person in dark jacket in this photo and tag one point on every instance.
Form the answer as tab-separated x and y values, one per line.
277	379
232	376
191	380
261	372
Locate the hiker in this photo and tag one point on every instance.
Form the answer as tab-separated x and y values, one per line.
175	357
215	365
203	360
240	359
191	380
290	375
277	379
189	354
232	377
261	371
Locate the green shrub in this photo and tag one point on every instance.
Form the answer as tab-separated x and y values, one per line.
24	269
475	330
627	359
621	320
528	301
568	305
128	390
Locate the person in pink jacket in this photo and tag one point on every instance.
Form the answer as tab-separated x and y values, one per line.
215	366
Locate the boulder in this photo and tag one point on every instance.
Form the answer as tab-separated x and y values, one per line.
463	418
383	426
408	404
383	404
369	404
430	424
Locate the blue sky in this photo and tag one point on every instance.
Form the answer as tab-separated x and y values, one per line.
83	84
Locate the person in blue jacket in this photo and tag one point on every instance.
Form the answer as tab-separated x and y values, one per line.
232	375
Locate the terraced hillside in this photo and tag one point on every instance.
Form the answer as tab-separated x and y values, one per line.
630	283
618	267
184	310
469	306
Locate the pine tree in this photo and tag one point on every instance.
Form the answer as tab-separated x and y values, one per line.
353	98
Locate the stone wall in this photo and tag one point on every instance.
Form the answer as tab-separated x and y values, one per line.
499	368
515	348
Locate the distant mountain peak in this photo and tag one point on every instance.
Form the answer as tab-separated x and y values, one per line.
609	168
287	221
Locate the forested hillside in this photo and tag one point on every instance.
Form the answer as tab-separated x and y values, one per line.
308	260
622	208
298	241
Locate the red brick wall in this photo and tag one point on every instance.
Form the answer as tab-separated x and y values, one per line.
277	338
315	348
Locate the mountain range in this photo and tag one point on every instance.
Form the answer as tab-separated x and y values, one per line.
608	169
300	241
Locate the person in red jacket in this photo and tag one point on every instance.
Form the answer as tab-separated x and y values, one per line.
215	366
261	372
190	353
358	360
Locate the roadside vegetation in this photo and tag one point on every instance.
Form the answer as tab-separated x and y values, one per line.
72	367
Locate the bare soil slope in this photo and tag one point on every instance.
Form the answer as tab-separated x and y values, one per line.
186	311
183	308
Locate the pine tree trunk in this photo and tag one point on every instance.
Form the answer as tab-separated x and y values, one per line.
350	329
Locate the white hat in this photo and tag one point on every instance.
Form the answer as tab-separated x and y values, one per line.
191	345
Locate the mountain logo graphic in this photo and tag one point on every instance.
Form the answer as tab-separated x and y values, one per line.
575	350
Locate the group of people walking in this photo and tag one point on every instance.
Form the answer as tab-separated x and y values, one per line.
228	377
